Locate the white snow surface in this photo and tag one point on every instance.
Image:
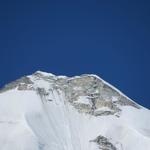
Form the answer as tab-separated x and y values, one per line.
28	122
83	100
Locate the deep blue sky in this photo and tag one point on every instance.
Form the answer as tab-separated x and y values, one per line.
103	37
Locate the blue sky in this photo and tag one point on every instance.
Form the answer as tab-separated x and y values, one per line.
107	38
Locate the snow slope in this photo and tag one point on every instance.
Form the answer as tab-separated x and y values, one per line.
36	114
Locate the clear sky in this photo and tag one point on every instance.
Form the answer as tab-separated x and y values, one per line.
103	37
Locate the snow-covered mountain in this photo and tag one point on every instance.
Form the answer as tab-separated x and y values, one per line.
47	112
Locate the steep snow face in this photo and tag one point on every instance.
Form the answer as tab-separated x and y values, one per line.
48	112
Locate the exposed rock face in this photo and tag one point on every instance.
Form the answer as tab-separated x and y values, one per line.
104	143
23	83
95	93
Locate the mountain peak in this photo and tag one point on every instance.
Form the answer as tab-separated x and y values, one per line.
88	93
48	112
